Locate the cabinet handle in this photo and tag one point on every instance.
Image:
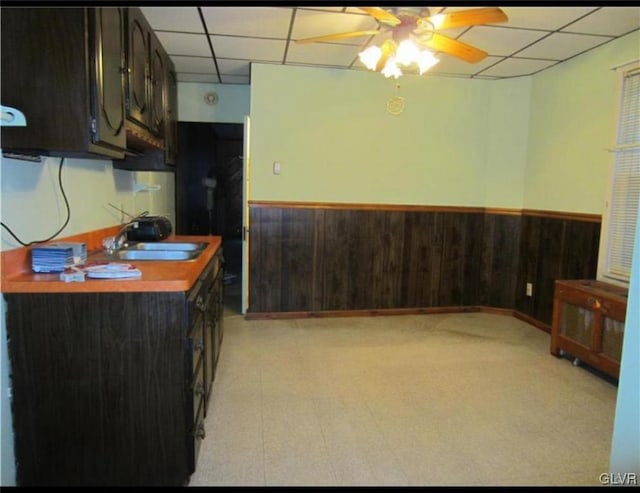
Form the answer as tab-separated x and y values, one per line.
200	433
198	389
200	304
198	345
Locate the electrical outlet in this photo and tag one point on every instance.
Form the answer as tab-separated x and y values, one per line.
529	291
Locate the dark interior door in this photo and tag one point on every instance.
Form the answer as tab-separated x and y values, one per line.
209	182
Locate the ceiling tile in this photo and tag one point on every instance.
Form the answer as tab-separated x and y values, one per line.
560	46
311	23
452	65
233	67
546	18
265	22
249	48
611	21
534	36
500	41
189	77
198	65
336	55
236	79
334	9
183	19
184	43
513	67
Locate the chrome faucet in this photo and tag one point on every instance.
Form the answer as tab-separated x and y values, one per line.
121	237
114	243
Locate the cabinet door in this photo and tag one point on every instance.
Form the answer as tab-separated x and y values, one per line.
576	323
45	75
171	118
157	86
107	66
138	68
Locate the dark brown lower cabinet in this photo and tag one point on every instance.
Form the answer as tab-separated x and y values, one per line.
111	389
588	323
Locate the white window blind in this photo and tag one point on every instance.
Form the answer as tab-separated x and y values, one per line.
620	221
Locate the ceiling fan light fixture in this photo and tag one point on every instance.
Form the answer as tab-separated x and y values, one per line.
370	57
391	68
425	61
434	22
407	52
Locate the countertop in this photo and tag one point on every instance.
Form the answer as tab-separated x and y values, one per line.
164	275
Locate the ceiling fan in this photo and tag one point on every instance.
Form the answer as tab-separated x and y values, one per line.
417	24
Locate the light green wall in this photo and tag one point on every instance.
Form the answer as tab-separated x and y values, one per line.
571	124
336	142
507	135
535	142
232	105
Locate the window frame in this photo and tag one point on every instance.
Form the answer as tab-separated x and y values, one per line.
605	272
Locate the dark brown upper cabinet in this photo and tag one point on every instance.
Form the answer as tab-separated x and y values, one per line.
157	85
171	118
150	100
91	82
109	66
64	69
138	69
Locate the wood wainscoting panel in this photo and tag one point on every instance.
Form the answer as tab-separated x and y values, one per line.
551	248
421	266
460	261
312	258
497	273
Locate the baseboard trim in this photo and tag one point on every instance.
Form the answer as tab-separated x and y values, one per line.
360	313
399	311
530	320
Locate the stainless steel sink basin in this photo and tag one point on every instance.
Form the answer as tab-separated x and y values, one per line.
168	245
157	254
166	250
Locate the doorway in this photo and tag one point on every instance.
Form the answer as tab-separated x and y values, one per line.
209	184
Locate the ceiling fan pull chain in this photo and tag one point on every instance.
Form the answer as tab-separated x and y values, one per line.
395	105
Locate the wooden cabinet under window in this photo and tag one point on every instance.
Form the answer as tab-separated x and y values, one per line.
588	323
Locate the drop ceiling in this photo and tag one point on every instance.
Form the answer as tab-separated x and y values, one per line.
218	44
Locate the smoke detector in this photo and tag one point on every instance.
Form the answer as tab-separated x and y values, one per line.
211	98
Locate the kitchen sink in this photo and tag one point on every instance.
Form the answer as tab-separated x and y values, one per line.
168	245
167	250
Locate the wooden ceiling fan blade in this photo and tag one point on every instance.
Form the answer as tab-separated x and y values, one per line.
381	15
473	17
468	53
331	37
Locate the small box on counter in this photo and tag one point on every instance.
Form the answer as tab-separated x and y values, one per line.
56	257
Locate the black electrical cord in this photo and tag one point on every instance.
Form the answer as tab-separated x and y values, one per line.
66	201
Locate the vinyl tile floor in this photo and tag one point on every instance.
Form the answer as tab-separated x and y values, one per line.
470	399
